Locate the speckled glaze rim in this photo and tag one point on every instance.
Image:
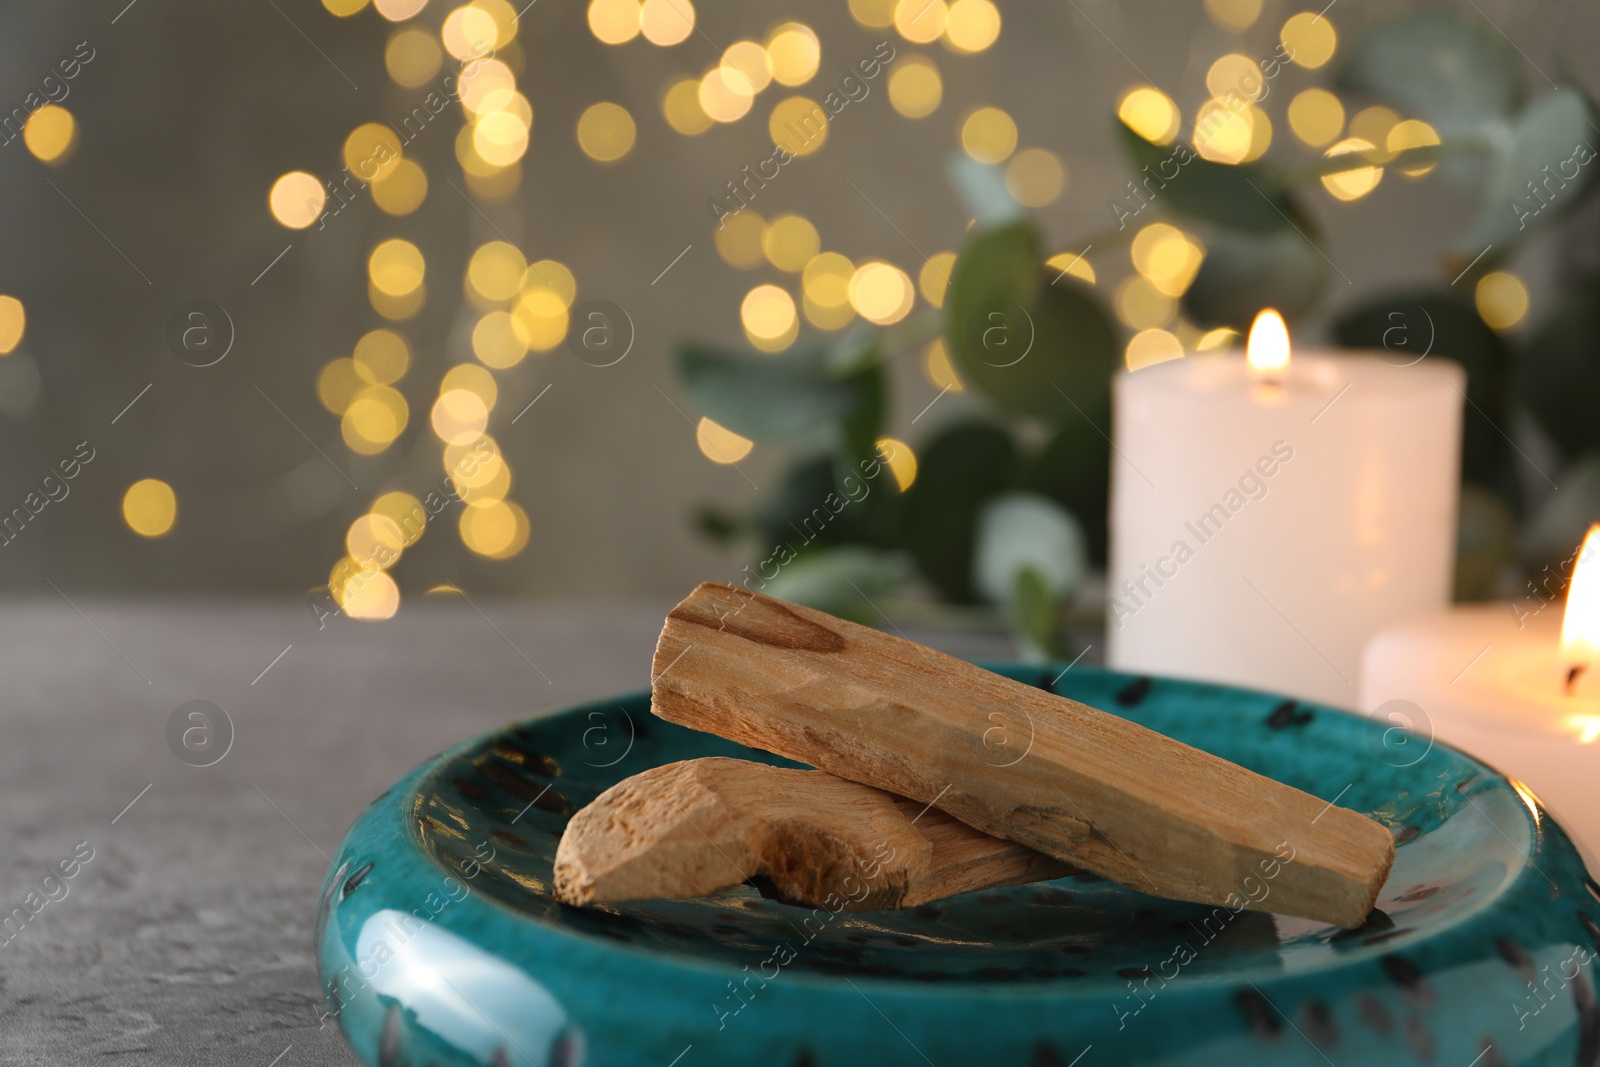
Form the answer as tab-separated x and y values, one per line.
561	997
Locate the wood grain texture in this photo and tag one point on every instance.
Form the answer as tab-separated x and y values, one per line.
1013	761
691	828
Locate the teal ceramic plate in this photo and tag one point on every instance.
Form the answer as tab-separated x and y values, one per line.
440	943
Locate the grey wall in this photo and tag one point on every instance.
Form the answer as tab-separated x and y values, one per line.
190	110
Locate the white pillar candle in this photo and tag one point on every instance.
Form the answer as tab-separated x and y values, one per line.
1267	517
1492	680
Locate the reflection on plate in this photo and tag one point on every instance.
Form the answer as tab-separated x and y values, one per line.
440	943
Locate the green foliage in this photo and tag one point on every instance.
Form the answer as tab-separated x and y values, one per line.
961	469
1454	74
1538	174
1409	326
800	398
1558	375
1244	197
1033	347
1012	507
1245	271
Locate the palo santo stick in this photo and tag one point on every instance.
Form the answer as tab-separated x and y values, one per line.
1089	788
691	828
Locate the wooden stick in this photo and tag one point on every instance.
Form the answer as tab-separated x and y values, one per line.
691	828
1089	788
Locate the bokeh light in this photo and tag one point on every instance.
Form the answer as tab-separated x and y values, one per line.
1236	74
681	107
459	416
719	444
1150	113
371	151
614	21
344	8
1355	183
369	595
13	322
901	461
934	277
1142	306
495	271
1502	299
1151	346
412	57
402	190
1224	134
497	341
468	32
921	21
374	419
750	61
50	133
381	357
790	242
798	125
296	200
605	132
940	371
150	507
1035	177
1167	257
338	383
826	281
988	135
873	14
396	267
1073	265
739	240
375	542
794	53
1411	133
1373	125
1316	116
881	293
496	529
769	317
915	87
972	25
725	94
667	22
1309	38
399	10
1235	15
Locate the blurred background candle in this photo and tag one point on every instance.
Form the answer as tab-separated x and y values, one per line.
1514	684
1270	513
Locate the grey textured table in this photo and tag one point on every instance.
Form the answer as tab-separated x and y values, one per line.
187	937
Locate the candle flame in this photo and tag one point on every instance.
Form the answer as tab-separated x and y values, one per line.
1267	350
1580	627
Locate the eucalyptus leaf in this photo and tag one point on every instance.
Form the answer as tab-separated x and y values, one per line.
1558	371
1412	325
1244	196
1025	339
1020	531
848	581
960	469
791	399
1074	470
1544	171
1451	70
1244	272
1036	615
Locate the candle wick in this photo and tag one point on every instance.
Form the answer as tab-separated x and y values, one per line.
1573	674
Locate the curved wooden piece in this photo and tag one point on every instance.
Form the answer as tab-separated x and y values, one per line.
691	828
